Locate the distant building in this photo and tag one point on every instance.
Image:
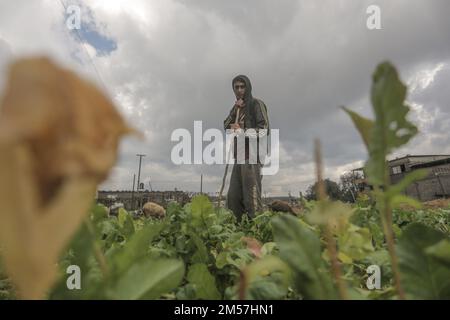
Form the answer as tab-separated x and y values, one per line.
435	185
134	200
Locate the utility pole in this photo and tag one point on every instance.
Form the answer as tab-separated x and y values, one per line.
139	178
201	183
132	193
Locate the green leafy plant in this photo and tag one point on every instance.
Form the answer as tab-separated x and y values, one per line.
198	251
388	131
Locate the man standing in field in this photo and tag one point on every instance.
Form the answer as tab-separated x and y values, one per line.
244	193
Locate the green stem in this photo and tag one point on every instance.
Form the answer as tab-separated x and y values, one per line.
386	220
331	243
331	246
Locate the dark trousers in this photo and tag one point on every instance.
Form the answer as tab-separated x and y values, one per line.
244	193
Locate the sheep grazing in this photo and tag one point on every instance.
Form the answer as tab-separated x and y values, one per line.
283	206
154	210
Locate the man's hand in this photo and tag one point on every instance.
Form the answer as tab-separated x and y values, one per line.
235	126
240	103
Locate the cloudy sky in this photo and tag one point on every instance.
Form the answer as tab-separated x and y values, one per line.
167	63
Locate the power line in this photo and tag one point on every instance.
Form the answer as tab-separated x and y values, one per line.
102	83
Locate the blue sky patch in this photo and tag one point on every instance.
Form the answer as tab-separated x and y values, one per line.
89	33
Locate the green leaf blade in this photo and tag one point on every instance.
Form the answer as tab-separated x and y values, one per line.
148	279
423	277
300	248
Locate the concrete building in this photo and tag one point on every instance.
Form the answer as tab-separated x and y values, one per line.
435	185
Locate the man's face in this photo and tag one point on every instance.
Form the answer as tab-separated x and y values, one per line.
239	89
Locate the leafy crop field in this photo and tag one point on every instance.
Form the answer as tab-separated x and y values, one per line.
199	252
385	246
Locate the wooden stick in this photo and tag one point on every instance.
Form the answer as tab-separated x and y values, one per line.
227	164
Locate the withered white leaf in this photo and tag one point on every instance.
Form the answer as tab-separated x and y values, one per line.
58	140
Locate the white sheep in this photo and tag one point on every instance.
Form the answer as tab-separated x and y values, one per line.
154	210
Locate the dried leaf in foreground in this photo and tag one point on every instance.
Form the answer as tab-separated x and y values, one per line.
58	140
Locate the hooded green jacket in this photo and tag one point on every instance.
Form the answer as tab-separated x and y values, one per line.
255	111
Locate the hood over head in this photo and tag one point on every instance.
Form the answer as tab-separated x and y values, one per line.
249	109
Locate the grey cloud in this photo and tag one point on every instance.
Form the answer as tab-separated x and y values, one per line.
305	59
317	63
